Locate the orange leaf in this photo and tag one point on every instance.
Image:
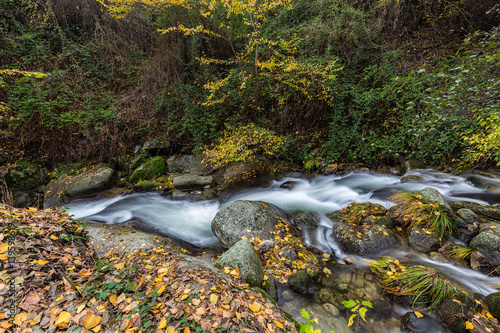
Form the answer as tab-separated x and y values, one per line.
279	324
4	247
418	314
255	307
63	319
91	321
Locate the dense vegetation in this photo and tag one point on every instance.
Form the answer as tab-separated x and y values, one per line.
372	82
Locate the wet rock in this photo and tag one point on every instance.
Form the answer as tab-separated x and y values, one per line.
438	257
306	220
384	221
270	288
431	195
327	295
492	301
411	178
371	241
414	164
188	164
330	169
381	309
288	185
485	256
157	147
487	184
249	174
154	167
248	219
243	256
422	241
410	323
287	295
468	216
192	181
65	188
331	309
179	195
489	211
350	260
453	313
301	282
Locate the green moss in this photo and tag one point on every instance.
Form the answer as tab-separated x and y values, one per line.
154	167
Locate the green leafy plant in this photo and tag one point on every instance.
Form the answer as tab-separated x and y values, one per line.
359	310
415	280
419	213
307	327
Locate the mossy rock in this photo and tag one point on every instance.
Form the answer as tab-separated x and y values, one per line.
24	176
243	256
360	213
156	166
492	301
148	186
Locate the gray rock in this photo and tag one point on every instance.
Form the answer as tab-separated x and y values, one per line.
246	219
266	245
243	256
411	178
331	309
188	164
24	176
424	242
270	288
191	181
414	164
468	216
381	309
300	282
179	195
373	240
431	195
288	185
453	312
410	323
306	220
251	174
65	188
289	254
485	256
157	147
154	167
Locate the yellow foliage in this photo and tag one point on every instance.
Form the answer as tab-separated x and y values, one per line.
240	144
485	145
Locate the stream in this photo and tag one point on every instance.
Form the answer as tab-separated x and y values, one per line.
190	221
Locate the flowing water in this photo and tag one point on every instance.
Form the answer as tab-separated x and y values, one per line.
191	220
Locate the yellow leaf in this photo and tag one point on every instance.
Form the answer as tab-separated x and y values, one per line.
170	329
163	323
3	257
112	299
213	298
161	290
327	271
184	297
418	314
5	324
255	307
163	270
4	247
279	324
468	325
63	319
91	321
489	315
40	262
196	301
120	265
187	330
80	308
54	237
97	328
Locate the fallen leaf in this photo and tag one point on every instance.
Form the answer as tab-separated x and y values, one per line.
255	307
468	325
63	319
163	323
213	298
170	329
4	247
91	321
418	314
279	324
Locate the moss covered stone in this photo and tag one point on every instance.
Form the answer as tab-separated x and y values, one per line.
492	301
243	256
156	166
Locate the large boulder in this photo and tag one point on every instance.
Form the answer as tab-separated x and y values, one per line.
485	256
24	176
68	187
492	301
244	218
243	256
431	195
154	167
192	181
369	241
247	174
26	182
188	164
157	147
